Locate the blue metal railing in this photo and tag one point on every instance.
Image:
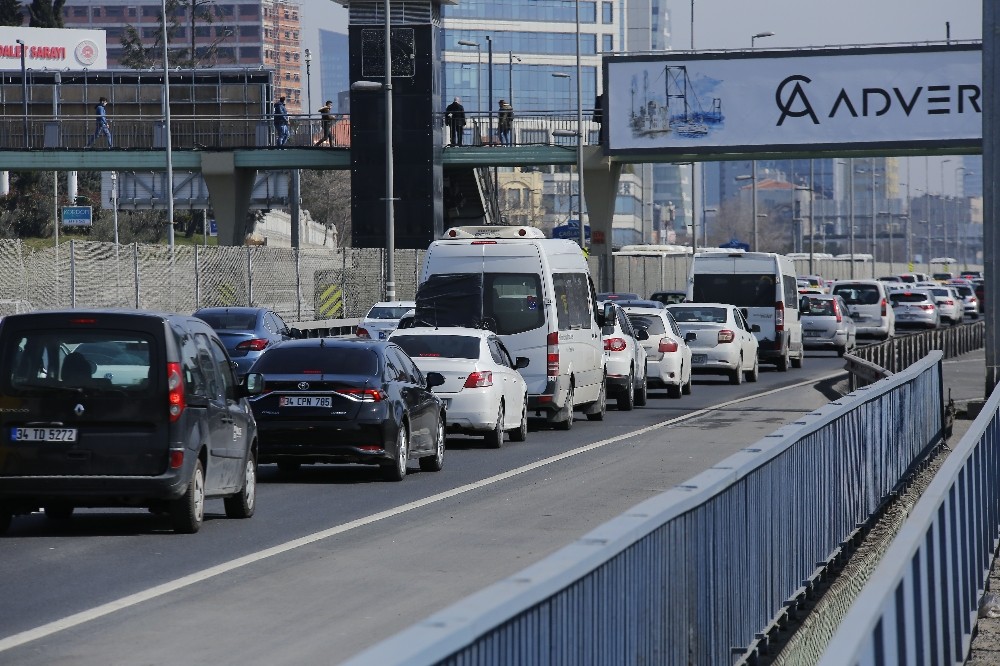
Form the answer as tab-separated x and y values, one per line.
920	604
694	575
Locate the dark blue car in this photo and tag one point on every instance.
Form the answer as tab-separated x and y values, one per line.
246	332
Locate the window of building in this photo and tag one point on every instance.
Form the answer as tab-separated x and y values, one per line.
97	12
249	31
131	12
249	11
150	33
226	10
250	53
146	11
79	11
114	12
607	12
607	43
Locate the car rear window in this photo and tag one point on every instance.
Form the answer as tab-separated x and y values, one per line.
858	294
907	297
439	346
229	321
72	359
385	312
702	315
317	360
820	307
651	324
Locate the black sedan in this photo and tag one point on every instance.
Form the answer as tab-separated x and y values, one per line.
343	400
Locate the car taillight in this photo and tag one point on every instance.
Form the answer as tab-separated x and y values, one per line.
667	345
362	333
779	316
614	344
948	301
836	311
175	391
362	395
176	458
883	307
552	353
256	344
479	379
725	335
928	308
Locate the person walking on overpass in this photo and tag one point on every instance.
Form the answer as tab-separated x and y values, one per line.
281	122
454	115
326	117
505	122
103	124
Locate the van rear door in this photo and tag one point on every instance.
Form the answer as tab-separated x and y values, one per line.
745	282
84	394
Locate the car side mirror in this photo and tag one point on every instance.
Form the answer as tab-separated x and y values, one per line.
252	384
755	328
521	362
607	314
641	334
434	379
690	336
745	312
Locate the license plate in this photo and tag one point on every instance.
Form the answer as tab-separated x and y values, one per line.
43	434
381	335
305	401
446	402
810	334
699	359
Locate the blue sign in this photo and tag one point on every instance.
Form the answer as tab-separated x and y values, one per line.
78	216
213	229
571	231
735	244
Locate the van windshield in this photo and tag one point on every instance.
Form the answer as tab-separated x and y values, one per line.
507	303
858	294
745	290
80	361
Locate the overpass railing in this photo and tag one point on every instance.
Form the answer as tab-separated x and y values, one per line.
696	574
873	362
920	604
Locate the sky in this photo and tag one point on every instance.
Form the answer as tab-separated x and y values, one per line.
729	24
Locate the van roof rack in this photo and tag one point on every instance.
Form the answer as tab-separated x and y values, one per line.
497	231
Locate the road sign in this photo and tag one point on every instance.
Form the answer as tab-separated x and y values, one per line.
213	228
78	216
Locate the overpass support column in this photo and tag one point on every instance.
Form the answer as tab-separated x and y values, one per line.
229	190
600	180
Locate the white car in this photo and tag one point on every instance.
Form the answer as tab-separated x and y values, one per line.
668	357
950	304
625	358
382	319
483	391
721	341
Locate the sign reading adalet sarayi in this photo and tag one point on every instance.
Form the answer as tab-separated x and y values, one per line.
868	97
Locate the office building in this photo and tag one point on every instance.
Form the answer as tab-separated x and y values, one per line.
335	76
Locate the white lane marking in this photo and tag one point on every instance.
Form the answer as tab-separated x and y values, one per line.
172	586
964	360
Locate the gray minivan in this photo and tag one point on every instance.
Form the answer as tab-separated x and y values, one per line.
122	408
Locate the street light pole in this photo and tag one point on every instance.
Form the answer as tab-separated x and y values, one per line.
479	86
166	121
24	90
874	228
850	244
309	99
510	75
959	247
390	222
944	213
753	166
812	219
579	129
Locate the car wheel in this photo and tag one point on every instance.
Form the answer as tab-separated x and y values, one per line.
674	391
797	361
568	423
783	362
626	401
602	402
520	433
59	513
494	438
435	462
754	373
737	375
642	393
841	350
686	388
287	466
243	503
397	470
188	511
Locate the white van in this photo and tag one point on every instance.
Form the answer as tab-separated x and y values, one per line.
537	294
763	284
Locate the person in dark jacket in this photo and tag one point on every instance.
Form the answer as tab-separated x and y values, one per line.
326	117
505	122
281	122
455	117
103	126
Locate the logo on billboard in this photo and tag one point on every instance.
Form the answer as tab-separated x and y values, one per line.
86	52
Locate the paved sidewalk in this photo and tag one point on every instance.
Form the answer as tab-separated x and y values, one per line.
965	378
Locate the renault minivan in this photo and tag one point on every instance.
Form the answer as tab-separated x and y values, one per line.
119	408
536	294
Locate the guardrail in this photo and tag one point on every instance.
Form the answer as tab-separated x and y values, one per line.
698	573
870	363
920	604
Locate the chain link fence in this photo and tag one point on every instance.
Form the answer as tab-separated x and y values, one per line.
300	285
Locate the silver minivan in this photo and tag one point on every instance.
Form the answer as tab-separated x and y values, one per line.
868	303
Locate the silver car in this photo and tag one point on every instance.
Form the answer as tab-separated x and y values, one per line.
827	324
915	308
721	340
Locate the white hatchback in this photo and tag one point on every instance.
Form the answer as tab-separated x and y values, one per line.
382	319
483	391
668	357
625	358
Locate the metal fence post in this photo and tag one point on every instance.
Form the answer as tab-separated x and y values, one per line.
135	268
72	273
249	279
298	286
197	279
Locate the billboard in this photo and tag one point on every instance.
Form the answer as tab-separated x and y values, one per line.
57	49
854	98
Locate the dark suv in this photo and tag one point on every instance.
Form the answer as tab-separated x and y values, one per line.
109	408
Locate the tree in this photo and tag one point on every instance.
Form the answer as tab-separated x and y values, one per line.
137	54
46	13
11	13
327	197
